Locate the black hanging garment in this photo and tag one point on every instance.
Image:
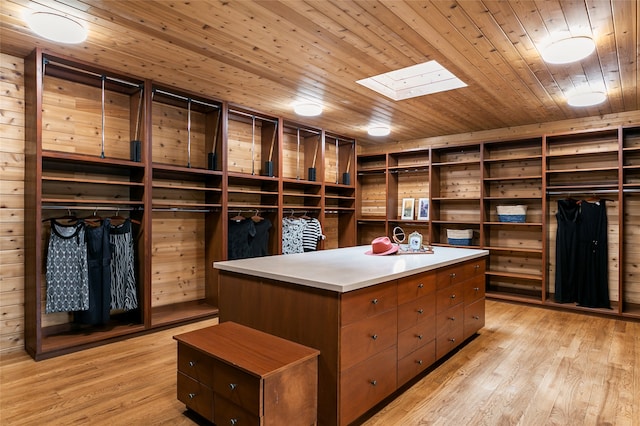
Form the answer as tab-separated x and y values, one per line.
259	244
241	232
99	263
593	268
568	217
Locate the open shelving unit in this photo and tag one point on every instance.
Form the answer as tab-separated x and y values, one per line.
178	164
467	183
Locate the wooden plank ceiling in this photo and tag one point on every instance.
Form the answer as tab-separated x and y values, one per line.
266	54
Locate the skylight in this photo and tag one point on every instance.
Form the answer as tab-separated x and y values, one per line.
416	80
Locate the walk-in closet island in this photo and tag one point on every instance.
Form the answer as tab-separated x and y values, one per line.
378	321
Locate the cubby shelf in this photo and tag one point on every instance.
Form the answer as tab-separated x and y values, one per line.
180	165
468	182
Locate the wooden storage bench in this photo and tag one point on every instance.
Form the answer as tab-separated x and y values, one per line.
232	374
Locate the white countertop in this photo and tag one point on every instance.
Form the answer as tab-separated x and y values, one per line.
346	269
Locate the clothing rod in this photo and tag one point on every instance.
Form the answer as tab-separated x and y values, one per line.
94	208
186	99
91	73
246	114
181	210
584	192
340	139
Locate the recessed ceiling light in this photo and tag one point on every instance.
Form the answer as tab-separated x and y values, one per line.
307	109
567	50
583	99
55	27
378	130
411	82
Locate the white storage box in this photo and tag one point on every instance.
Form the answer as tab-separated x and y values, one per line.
459	237
513	214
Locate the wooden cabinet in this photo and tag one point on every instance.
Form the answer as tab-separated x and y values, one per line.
372	340
78	162
180	166
231	374
186	206
469	182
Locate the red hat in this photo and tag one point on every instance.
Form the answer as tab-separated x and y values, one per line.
381	246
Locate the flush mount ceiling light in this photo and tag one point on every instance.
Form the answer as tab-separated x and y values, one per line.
586	98
55	27
307	109
378	130
568	49
416	80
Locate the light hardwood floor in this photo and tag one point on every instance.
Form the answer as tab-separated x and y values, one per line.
528	366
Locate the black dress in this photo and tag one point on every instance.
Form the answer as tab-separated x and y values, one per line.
593	268
568	217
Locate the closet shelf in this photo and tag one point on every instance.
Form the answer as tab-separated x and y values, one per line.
169	171
161	203
512	178
85	201
529	277
514	249
513	159
583	170
88	159
506	224
185	187
91	181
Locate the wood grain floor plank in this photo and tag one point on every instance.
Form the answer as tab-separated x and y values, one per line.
528	366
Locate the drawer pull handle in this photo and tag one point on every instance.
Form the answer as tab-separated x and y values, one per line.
475	317
452	318
419	336
420	285
452	275
374	301
192	363
233	386
452	340
374	382
453	296
192	395
421	311
374	337
233	421
419	362
476	288
477	267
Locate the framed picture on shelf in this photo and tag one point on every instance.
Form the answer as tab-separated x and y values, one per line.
407	208
423	209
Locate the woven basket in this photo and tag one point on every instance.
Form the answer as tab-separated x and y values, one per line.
459	237
512	214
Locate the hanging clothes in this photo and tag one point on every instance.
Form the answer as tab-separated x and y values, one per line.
66	269
311	234
259	244
593	268
123	276
99	266
292	231
241	232
567	266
